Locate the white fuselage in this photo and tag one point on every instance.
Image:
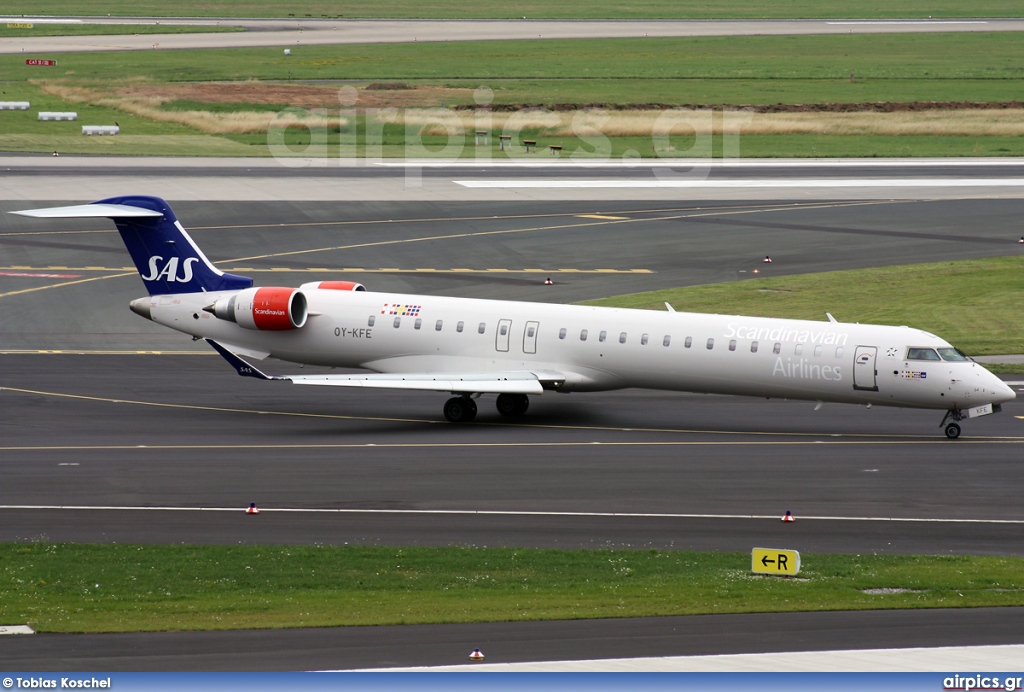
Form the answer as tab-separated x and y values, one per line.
597	348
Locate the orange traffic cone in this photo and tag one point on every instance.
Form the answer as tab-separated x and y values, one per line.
788	517
476	655
253	509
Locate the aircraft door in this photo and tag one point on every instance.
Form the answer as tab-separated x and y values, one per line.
530	337
503	334
864	373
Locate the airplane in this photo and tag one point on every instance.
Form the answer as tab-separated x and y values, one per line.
471	347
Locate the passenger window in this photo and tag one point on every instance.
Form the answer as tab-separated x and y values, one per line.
398	321
437	326
504	329
818	349
369	322
561	333
583	335
921	354
839	352
732	345
777	349
418	323
482	328
459	327
643	340
622	338
711	344
530	332
602	336
689	342
753	347
799	350
666	341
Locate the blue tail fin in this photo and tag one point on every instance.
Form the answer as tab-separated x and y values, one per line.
168	259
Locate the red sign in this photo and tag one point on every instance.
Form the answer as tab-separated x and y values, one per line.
33	61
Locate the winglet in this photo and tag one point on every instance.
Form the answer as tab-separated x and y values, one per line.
831	318
243	368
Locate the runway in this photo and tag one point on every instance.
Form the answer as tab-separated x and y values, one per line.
100	443
625	470
296	33
520	180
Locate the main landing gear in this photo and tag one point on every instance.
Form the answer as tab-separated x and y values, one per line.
462	409
513	404
953	428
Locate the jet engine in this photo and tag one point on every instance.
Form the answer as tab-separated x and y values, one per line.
334	286
269	308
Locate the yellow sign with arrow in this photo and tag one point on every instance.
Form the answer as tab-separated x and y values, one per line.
772	561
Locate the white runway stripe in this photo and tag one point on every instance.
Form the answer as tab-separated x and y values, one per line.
507	513
924	660
640	164
685	183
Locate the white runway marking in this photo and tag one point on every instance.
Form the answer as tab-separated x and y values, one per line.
689	163
899	22
747	184
506	513
924	660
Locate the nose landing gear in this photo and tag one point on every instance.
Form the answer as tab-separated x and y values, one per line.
953	428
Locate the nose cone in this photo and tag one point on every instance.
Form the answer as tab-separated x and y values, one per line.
140	306
1001	391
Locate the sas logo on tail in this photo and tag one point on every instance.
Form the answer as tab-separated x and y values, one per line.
170	269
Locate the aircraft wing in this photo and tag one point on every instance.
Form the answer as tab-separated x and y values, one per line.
518	382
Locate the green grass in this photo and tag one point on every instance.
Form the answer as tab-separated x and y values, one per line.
1005	368
737	92
124	588
465	9
974	304
108	29
27	122
984	67
929	57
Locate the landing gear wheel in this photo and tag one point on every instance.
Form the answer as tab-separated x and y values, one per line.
460	409
513	404
952	431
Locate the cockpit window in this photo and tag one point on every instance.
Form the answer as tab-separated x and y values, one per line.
922	354
952	354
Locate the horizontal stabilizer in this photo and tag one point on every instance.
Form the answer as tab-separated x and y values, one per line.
167	258
86	211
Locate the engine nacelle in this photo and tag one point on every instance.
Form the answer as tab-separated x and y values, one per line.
266	309
333	286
